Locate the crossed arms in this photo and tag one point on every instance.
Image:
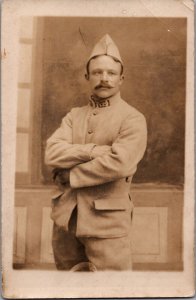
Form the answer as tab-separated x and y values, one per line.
90	164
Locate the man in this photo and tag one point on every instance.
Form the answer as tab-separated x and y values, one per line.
94	155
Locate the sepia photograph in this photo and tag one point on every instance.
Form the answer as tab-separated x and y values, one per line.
101	162
108	133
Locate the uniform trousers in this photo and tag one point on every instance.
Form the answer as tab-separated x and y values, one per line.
103	253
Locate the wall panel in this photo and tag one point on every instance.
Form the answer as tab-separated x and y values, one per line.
156	232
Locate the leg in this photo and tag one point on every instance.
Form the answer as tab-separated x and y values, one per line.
109	254
68	250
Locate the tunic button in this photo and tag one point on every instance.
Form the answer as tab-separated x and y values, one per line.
90	131
94	113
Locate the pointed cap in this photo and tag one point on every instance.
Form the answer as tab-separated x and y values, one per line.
106	46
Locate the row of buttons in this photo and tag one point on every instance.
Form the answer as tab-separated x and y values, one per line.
94	113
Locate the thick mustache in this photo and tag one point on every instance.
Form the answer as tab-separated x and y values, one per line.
99	86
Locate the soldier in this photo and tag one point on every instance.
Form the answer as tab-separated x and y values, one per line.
94	155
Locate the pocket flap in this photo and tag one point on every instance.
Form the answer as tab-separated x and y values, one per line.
110	204
56	194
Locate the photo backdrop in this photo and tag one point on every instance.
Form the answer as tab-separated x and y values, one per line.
154	55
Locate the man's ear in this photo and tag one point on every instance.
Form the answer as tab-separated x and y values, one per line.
121	78
87	76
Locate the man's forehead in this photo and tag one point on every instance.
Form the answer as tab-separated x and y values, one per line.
104	60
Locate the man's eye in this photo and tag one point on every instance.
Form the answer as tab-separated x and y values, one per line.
111	73
97	73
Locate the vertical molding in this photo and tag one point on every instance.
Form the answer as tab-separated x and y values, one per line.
20	234
36	101
163	238
25	177
46	237
35	86
33	234
22	147
175	242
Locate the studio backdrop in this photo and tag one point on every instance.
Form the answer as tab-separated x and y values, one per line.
53	55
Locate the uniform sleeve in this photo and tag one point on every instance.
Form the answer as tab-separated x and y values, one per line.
60	150
126	151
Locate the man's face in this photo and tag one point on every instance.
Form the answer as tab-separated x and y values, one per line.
104	76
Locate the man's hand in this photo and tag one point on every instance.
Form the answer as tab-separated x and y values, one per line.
100	150
61	176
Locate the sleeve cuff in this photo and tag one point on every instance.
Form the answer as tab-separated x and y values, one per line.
73	179
88	148
91	152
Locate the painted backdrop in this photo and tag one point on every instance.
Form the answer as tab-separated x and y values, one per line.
154	55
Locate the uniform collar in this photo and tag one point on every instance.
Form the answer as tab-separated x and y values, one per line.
107	102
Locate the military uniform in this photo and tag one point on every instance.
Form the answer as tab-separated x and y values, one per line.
92	214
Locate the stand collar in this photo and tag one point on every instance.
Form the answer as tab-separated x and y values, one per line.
106	102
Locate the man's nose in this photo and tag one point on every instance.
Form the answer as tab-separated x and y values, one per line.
104	76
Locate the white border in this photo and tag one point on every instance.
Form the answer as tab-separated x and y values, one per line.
51	284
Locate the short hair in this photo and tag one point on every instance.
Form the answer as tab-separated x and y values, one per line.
114	58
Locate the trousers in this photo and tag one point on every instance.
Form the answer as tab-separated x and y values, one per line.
103	253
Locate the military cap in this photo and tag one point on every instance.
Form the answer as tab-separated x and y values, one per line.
106	46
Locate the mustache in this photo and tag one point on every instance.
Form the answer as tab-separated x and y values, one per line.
101	85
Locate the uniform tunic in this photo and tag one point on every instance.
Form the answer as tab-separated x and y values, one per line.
99	187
